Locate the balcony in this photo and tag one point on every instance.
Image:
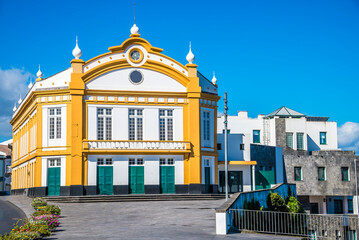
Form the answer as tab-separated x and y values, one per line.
131	146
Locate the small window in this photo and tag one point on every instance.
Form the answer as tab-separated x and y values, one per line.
321	173
219	146
100	161
241	146
206	163
350	206
228	131
140	161
297	173
323	138
108	161
170	161
162	161
132	161
289	137
300	141
345	174
54	162
256	136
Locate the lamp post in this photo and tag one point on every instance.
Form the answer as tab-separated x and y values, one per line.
226	144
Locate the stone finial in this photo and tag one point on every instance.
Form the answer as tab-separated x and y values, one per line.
77	51
190	56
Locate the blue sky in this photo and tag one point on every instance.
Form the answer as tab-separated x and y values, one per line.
303	54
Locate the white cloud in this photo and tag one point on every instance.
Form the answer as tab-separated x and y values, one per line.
13	83
348	136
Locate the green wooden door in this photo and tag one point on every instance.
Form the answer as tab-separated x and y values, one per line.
207	178
105	180
167	179
137	179
53	181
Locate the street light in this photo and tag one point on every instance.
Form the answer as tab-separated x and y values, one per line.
225	144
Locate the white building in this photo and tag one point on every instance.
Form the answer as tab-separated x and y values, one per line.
288	146
5	167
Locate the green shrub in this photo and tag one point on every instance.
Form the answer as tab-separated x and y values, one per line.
275	202
50	209
294	205
38	202
39	226
53	209
21	236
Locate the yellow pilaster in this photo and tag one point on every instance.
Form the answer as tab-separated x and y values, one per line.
75	129
38	161
194	127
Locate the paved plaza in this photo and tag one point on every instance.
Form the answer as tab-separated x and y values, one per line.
139	220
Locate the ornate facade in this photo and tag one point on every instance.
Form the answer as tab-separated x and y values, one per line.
131	120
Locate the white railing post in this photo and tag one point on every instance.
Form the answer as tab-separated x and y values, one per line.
221	223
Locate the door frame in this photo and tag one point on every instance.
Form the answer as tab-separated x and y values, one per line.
53	163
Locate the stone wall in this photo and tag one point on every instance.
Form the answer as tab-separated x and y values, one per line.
280	133
332	161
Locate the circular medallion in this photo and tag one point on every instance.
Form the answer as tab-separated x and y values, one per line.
136	55
136	77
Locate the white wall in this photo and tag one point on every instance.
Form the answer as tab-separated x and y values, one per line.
119	80
150	121
297	125
234	151
314	129
120	168
238	124
311	129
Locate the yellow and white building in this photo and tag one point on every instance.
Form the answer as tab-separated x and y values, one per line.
131	120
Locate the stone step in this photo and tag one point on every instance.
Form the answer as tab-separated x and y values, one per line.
133	198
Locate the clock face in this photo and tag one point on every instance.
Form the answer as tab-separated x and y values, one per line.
135	55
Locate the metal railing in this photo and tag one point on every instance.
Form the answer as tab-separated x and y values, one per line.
137	145
343	227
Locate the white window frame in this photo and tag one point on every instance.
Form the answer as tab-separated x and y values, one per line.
167	161
206	125
55	114
136	162
137	125
167	116
104	162
54	162
106	131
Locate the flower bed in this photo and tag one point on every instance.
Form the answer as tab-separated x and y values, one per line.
44	220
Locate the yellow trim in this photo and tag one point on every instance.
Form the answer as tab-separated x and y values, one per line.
133	60
239	162
134	93
135	41
122	63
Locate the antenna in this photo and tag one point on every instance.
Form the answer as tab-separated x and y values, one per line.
134	10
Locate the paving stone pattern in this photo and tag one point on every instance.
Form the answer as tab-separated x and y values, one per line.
140	220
